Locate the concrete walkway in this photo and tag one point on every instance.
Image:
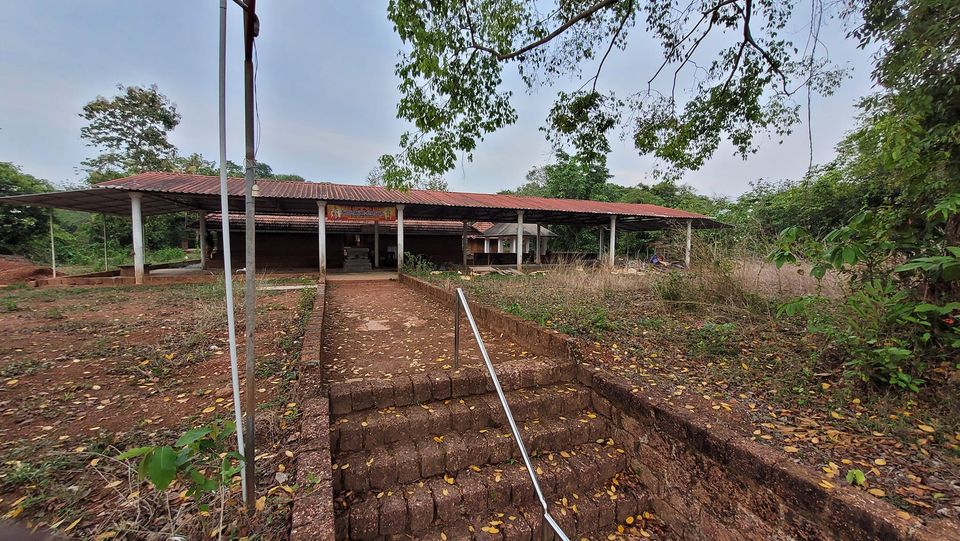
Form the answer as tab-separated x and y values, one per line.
362	276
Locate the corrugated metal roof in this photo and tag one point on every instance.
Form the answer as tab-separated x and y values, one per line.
510	230
171	192
309	223
282	189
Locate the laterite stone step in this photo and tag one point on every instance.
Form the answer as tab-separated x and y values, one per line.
364	394
369	429
418	506
592	514
407	461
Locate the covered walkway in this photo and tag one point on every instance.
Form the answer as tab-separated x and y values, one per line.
161	193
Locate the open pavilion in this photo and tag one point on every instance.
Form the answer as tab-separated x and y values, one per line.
332	205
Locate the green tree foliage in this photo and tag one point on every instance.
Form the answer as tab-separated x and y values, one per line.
262	170
130	131
457	52
902	256
19	224
376	177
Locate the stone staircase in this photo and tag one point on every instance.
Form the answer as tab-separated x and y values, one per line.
431	456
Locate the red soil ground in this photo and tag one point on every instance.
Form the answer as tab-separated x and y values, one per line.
16	270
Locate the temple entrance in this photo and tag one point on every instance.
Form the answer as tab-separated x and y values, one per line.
368	250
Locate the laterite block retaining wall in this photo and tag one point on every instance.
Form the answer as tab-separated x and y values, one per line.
313	508
706	481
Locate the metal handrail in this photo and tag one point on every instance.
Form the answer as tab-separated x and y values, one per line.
461	301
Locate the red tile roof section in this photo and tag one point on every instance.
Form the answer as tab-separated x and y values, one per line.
325	191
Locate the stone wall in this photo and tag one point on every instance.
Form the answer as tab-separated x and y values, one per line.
707	482
312	515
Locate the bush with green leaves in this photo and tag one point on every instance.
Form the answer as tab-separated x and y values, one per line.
200	458
417	264
898	319
715	339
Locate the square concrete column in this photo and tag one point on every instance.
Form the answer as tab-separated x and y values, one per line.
613	240
202	217
686	257
322	234
519	240
399	237
137	224
376	245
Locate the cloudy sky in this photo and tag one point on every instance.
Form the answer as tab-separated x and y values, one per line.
326	92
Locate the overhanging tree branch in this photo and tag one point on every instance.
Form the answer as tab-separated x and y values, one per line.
613	40
603	4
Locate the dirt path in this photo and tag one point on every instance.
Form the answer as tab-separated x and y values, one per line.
383	329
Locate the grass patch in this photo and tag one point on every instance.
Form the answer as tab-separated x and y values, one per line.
711	339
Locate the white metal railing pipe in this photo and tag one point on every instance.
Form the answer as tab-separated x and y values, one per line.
461	301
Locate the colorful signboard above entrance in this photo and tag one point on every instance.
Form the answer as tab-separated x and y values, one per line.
350	213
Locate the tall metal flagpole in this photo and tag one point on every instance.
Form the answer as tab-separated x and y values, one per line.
227	261
251	29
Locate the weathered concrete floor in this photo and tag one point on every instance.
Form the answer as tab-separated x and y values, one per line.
383	329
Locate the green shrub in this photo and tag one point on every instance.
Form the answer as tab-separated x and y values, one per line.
715	339
166	255
671	287
885	336
417	264
200	458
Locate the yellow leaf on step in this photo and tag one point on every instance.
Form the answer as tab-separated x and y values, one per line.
877	492
261	503
72	525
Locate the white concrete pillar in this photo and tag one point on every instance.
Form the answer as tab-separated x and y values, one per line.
486	245
399	237
686	257
519	240
202	217
376	245
53	248
538	244
613	240
322	234
137	225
